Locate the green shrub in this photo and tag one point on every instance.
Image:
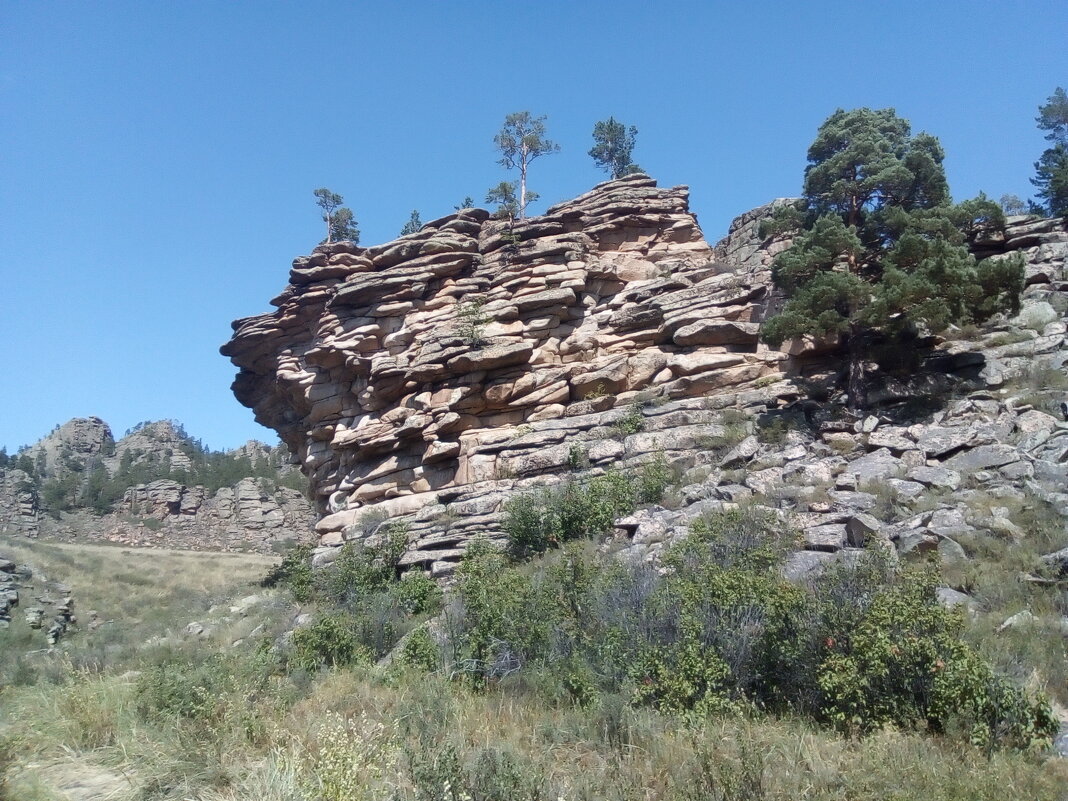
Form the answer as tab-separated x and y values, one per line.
577	458
774	431
331	641
718	628
417	594
537	521
420	651
182	689
471	322
294	572
632	421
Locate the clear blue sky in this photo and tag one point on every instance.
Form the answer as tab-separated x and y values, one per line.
157	159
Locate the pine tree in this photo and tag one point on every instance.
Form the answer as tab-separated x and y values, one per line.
880	254
1051	169
612	148
521	140
340	222
413	225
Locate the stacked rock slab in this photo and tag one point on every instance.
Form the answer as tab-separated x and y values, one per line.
474	352
433	376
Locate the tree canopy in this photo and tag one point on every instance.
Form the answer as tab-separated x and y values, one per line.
521	140
413	225
505	197
613	144
340	222
880	251
1051	169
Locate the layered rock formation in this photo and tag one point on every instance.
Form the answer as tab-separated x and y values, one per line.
252	513
435	375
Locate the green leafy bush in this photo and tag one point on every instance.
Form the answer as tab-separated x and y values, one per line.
294	572
364	609
547	518
632	421
420	651
719	629
331	641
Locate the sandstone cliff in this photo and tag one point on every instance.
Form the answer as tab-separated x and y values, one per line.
434	375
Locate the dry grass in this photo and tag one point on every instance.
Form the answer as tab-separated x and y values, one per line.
267	744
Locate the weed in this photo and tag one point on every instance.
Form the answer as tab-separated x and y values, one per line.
631	422
576	458
472	321
598	392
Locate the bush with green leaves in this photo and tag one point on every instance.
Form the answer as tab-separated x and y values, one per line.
717	628
365	608
632	421
579	509
294	572
205	689
333	640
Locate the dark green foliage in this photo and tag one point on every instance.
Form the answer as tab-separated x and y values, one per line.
472	322
632	421
504	197
294	572
881	253
340	222
420	651
201	689
612	148
364	610
1053	117
467	203
537	521
865	646
413	225
1051	179
331	641
1051	169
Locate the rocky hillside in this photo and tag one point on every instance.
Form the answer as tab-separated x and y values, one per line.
435	376
156	486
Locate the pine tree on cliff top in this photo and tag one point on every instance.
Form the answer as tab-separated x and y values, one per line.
1051	170
880	252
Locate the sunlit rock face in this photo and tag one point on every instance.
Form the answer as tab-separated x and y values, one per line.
434	375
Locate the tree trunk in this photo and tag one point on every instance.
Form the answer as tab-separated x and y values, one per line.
523	188
856	392
329	227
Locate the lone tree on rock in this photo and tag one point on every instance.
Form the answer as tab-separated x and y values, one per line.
1051	170
880	254
340	222
613	144
521	140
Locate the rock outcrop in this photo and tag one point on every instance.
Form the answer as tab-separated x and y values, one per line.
255	512
18	503
70	446
435	375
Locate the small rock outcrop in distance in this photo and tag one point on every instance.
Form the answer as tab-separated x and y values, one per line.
71	444
155	495
435	375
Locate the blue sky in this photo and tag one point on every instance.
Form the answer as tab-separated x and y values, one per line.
157	160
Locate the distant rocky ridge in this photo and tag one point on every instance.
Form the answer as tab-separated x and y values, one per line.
84	467
433	377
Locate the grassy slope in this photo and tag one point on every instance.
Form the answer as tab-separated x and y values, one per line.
77	732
